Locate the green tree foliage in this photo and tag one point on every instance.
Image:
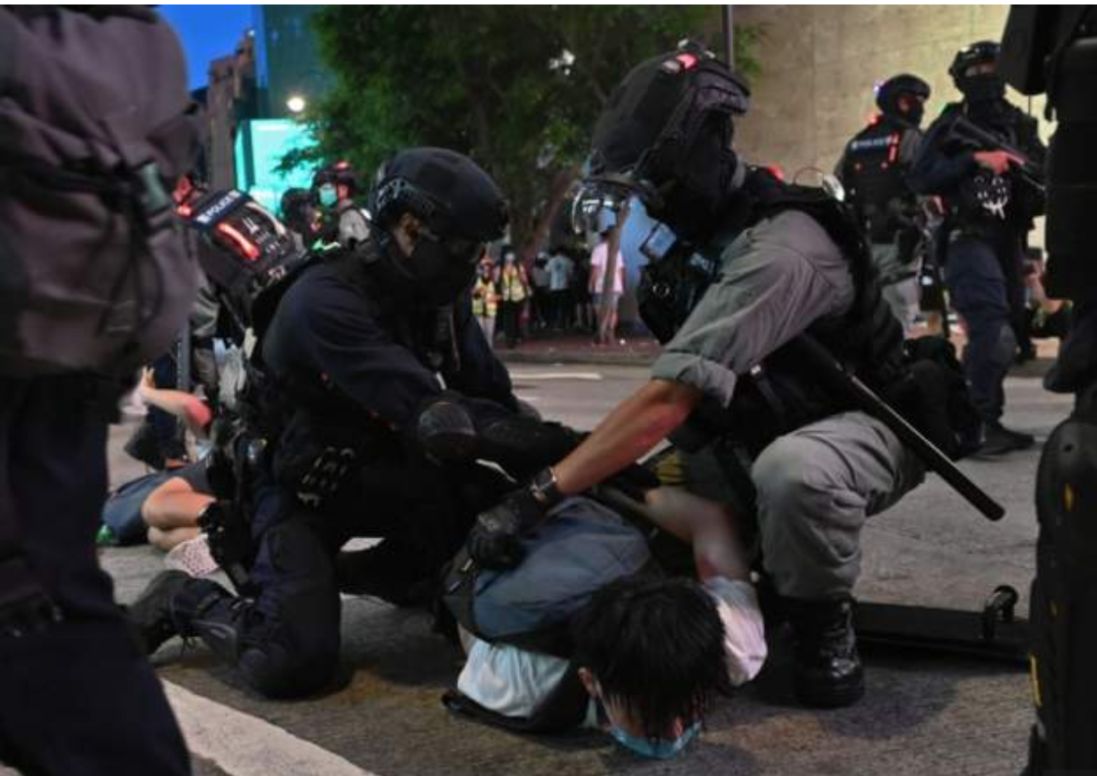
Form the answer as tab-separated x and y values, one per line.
517	88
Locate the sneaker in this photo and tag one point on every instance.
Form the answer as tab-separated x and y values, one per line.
999	440
192	557
151	613
828	667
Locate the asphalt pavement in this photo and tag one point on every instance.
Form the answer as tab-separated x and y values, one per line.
922	715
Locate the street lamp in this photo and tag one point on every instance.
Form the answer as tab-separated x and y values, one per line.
296	103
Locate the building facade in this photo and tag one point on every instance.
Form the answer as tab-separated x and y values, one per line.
820	64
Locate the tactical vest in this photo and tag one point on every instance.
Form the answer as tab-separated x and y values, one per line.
780	395
984	200
875	178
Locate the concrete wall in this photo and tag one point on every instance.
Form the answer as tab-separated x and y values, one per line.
820	63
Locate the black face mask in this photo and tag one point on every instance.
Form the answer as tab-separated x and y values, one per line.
985	88
700	180
914	114
439	275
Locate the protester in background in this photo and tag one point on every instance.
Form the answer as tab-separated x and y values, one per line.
560	272
606	296
514	289
540	314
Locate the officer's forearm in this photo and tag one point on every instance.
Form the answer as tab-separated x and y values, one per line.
631	430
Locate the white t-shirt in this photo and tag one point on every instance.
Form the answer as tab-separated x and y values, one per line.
512	681
598	269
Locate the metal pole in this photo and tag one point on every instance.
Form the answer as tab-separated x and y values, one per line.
729	35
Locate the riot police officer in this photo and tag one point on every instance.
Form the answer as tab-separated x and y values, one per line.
873	169
990	211
750	265
1053	49
343	221
358	344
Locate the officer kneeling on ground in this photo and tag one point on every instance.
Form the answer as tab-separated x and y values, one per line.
353	352
775	261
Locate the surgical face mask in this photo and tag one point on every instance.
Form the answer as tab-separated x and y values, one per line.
661	749
328	195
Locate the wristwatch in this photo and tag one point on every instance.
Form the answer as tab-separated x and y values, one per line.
545	488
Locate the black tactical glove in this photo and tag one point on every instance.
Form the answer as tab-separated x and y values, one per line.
495	539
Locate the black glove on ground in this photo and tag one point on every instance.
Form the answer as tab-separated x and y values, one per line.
495	539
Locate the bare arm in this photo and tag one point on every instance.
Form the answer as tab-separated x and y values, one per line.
193	411
708	526
634	427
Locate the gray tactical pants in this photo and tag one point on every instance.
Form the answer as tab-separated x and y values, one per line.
815	488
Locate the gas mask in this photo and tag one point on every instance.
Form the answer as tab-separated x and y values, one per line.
667	136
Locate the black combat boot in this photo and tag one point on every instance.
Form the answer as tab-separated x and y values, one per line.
828	669
1000	440
152	614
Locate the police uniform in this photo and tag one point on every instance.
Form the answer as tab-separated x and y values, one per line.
357	346
985	230
816	484
873	169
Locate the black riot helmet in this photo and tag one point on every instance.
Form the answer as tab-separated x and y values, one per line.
459	209
887	97
666	135
975	72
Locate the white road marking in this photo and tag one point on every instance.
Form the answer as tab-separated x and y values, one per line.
243	745
592	376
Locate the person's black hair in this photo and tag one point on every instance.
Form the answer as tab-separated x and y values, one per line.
657	649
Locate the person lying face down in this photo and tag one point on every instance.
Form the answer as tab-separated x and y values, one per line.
652	652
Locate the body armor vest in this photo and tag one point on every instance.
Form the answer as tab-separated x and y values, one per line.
875	178
985	201
780	395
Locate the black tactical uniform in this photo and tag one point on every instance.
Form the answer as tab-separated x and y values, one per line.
988	218
357	346
873	169
1054	49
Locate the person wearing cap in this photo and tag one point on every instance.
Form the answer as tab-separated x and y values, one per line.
989	212
873	170
740	266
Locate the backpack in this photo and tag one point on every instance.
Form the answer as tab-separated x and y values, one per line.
98	126
584	547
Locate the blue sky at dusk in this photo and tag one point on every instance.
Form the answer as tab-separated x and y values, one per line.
207	32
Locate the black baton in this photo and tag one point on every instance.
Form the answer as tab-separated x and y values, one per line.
867	401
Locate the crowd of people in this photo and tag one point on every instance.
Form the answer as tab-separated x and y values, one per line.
351	389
